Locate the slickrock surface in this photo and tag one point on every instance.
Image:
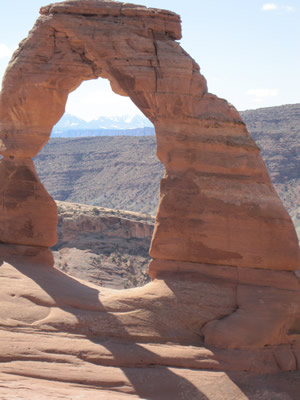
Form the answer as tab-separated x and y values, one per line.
225	295
85	338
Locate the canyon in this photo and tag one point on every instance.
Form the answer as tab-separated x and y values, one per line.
221	316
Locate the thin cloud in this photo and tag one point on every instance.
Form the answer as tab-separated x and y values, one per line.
261	94
269	7
276	7
5	51
288	8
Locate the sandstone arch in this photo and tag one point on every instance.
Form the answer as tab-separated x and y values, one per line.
201	139
219	215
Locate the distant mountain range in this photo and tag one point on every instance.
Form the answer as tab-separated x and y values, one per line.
125	125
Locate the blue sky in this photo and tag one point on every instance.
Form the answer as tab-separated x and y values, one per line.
248	50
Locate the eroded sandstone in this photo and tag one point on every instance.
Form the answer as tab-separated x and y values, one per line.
29	214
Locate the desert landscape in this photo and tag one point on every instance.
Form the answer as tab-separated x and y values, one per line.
103	246
215	313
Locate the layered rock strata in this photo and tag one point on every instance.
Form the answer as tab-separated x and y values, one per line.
225	250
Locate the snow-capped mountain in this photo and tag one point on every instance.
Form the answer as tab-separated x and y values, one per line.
69	125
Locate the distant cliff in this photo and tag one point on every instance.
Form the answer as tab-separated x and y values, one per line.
277	132
103	246
115	172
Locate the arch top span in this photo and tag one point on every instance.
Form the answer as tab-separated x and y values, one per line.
217	203
133	46
161	21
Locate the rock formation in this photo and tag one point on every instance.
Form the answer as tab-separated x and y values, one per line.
225	250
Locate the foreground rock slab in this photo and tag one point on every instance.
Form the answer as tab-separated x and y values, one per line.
94	341
150	383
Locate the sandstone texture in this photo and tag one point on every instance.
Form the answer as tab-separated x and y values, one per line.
143	342
28	212
225	295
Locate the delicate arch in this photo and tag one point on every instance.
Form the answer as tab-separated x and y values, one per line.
217	204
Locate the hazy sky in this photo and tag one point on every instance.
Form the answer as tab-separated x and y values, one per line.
248	50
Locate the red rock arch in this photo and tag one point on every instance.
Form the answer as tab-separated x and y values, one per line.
217	204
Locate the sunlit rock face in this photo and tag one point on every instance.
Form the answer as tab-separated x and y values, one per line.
224	248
